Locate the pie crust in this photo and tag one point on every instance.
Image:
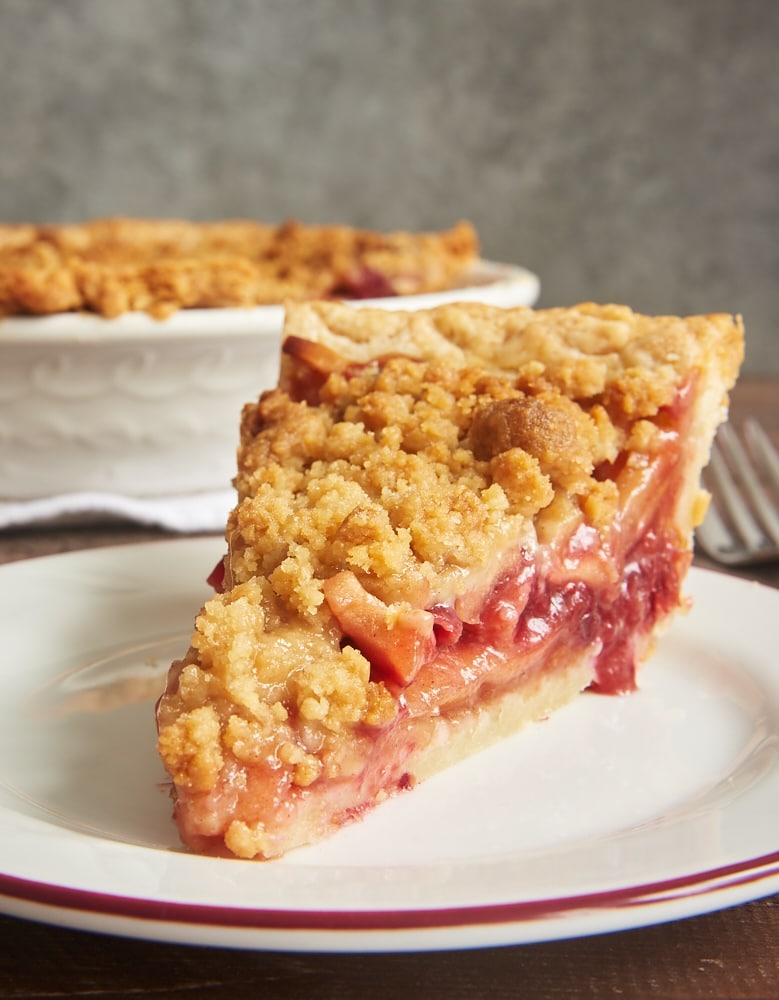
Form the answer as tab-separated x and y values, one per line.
112	266
449	523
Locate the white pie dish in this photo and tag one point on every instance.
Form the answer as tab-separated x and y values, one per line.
144	407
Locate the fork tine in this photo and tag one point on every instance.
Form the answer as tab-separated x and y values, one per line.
763	450
764	507
727	490
716	539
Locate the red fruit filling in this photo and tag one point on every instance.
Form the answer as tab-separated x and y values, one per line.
365	283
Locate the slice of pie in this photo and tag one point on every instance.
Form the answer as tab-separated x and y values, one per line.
112	266
449	523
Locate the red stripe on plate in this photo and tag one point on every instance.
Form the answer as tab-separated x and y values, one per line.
64	897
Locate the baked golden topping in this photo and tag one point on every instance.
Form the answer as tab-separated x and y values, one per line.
112	266
630	362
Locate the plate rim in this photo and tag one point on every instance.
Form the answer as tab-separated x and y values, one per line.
738	873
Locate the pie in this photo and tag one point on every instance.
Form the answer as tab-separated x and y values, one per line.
449	523
112	266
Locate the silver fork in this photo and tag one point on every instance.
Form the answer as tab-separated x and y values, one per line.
742	523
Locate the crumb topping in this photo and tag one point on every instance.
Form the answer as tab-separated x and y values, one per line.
630	363
382	479
112	266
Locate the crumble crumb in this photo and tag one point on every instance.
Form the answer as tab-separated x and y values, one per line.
113	266
246	840
191	748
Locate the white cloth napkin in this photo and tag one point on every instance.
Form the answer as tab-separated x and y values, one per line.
191	513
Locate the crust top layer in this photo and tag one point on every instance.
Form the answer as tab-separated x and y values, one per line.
608	352
112	266
475	429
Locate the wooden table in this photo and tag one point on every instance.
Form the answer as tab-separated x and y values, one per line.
730	954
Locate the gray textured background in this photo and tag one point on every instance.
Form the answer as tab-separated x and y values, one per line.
624	150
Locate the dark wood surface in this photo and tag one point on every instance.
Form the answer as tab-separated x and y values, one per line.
730	954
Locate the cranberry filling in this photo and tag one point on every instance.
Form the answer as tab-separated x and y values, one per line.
447	626
549	615
216	578
367	283
648	592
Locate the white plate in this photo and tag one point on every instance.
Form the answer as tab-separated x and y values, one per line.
617	812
